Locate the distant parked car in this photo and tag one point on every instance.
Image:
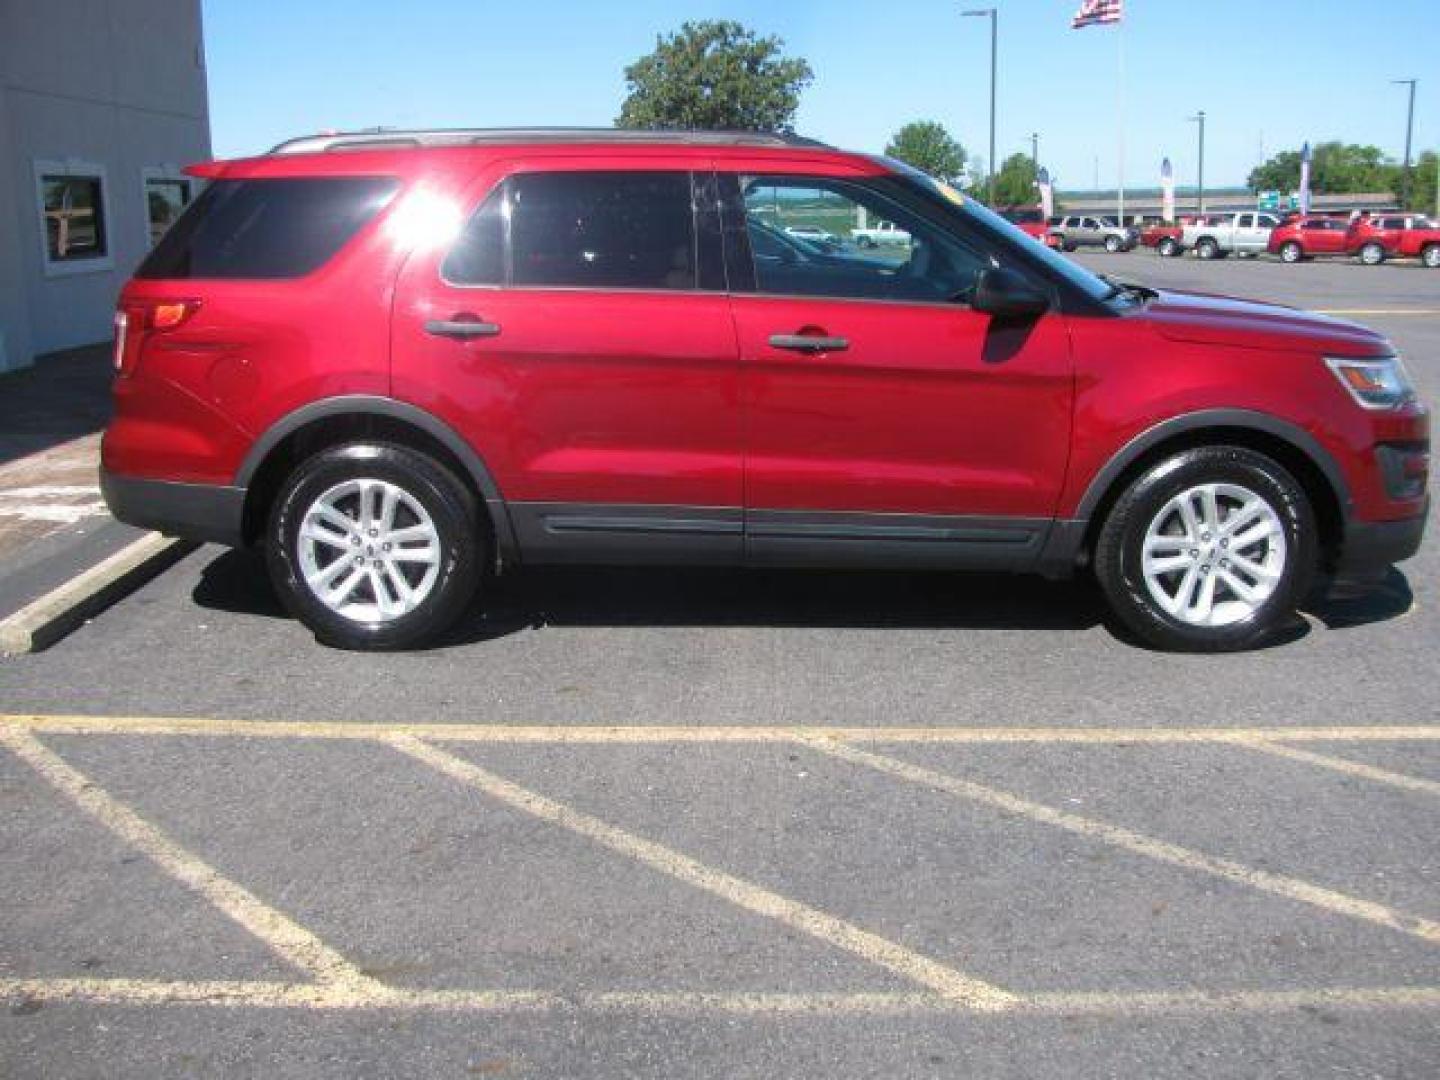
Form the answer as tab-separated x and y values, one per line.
1306	236
1164	238
1422	244
1085	231
1218	235
1030	220
1380	236
884	232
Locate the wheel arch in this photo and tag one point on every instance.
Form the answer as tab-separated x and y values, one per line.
326	423
1292	447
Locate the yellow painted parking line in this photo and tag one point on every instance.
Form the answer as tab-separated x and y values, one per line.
1357	769
1336	903
307	997
880	951
59	724
286	938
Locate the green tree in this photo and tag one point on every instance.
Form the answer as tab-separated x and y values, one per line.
926	145
1422	183
714	74
1336	168
1015	182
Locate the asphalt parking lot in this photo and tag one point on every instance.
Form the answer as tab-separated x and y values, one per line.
765	825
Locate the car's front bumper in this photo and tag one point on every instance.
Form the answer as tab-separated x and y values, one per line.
1370	548
211	513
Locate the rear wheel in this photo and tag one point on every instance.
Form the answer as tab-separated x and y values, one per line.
374	546
1207	248
1291	252
1431	256
1372	254
1066	245
1168	248
1208	551
1113	245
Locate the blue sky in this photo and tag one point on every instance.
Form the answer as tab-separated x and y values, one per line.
1268	75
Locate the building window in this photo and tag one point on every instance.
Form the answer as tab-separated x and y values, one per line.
166	194
75	225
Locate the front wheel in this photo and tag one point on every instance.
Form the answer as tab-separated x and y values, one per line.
1209	550
1112	245
1207	249
1291	252
1431	256
374	546
1372	254
1169	248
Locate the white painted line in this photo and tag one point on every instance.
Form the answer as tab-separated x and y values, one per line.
1357	769
286	938
270	995
44	621
1336	903
880	951
602	735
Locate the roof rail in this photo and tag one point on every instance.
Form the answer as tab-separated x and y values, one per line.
393	138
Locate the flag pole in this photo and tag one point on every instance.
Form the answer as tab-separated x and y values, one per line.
1120	132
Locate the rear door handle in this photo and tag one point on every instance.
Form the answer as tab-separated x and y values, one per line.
808	343
461	328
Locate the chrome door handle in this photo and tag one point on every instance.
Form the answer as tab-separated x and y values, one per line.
808	343
461	328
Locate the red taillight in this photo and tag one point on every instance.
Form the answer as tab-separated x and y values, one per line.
137	320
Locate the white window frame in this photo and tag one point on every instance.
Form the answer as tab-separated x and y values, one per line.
90	170
169	172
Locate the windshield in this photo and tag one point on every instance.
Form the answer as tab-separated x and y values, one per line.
1076	275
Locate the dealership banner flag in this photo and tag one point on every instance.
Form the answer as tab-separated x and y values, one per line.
1305	179
1047	193
1167	191
1097	13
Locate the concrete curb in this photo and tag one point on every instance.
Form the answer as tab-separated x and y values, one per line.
42	622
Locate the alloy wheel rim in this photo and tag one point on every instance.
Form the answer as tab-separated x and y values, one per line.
1214	554
1371	254
369	551
1432	256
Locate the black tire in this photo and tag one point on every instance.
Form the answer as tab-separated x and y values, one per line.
1113	245
452	509
1118	551
1291	252
1065	245
1168	248
1372	254
1207	248
1430	256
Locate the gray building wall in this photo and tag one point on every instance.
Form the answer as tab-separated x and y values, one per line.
118	85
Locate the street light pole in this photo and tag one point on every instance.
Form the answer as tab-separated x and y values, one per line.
994	16
1199	118
1035	151
1409	132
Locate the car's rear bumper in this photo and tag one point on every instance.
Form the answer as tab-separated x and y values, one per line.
211	513
1370	548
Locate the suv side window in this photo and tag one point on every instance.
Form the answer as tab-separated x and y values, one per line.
626	230
918	262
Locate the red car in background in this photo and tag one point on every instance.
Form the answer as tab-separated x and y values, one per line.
1030	220
1308	235
1376	237
1165	237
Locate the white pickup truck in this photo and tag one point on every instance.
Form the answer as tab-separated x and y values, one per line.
884	232
1216	235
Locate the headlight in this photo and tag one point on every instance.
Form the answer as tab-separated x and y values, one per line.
1379	383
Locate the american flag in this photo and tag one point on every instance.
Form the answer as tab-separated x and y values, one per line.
1097	13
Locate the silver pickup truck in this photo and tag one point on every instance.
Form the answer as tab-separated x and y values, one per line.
1217	235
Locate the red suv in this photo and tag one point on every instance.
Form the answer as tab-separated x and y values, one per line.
1377	237
399	360
1306	236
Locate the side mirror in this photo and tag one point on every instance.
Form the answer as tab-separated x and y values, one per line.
1008	295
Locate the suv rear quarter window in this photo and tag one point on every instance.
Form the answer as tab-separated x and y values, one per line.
270	228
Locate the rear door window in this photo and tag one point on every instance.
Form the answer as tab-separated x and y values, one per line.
599	230
270	228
